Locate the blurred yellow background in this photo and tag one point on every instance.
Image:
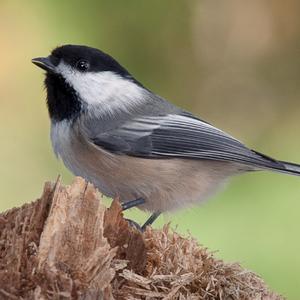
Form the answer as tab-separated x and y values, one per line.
234	63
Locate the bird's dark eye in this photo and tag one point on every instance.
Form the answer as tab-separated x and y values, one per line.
82	65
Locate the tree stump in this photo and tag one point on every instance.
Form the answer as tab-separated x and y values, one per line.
68	245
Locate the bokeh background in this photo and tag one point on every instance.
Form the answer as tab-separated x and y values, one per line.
234	63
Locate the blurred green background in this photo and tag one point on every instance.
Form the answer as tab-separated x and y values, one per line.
234	63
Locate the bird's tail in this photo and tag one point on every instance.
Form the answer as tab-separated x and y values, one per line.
272	164
289	168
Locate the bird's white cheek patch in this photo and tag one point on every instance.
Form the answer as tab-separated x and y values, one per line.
106	90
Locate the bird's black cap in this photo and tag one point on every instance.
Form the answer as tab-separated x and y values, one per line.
98	61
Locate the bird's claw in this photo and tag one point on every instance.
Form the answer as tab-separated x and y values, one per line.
134	224
134	203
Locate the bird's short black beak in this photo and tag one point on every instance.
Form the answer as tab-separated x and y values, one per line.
44	63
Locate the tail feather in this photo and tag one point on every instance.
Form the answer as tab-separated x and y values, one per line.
290	168
277	165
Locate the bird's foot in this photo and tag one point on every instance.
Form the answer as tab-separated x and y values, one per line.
135	225
134	203
150	221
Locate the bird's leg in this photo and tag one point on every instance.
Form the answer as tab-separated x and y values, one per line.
151	220
132	203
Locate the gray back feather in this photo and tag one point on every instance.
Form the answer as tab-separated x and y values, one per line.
157	129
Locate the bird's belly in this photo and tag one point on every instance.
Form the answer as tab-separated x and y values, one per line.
165	184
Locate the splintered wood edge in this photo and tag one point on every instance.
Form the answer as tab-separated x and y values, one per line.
73	235
66	242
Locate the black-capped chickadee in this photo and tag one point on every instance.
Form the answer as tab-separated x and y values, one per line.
131	143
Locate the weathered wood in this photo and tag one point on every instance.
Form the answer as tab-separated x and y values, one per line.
55	248
67	245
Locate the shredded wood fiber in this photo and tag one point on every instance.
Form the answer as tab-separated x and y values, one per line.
67	245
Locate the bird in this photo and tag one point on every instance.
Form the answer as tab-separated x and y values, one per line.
129	142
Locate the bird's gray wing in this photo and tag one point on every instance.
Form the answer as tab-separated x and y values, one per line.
181	136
